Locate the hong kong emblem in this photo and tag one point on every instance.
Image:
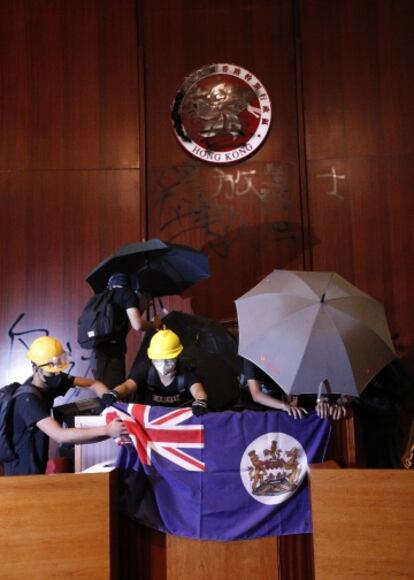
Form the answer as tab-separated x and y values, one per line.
221	113
273	467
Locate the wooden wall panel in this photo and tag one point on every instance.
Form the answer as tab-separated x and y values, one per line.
340	72
247	216
69	95
56	226
357	85
396	82
69	160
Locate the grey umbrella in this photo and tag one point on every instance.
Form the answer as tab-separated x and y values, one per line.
302	328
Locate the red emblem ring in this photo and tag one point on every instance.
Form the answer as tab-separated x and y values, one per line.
221	113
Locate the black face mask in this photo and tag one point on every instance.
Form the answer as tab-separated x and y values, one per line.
54	381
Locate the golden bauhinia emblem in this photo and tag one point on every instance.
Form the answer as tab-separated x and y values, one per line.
221	113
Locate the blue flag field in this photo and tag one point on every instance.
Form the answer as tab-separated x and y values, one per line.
222	476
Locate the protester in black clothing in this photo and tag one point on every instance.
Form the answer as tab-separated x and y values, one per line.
381	408
263	390
31	419
160	380
108	359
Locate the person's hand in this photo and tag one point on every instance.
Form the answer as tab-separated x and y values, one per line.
99	388
123	440
116	428
199	407
108	399
323	407
337	411
295	412
156	322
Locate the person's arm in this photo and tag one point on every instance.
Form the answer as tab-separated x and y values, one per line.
126	388
198	391
139	323
96	386
268	401
119	392
81	435
199	405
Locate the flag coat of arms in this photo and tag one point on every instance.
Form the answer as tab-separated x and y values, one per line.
222	476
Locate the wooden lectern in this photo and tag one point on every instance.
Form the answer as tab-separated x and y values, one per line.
58	526
363	523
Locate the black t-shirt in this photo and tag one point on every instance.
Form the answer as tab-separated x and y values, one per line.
30	444
122	299
267	384
151	391
270	387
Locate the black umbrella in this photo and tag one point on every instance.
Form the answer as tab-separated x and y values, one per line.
209	335
172	271
157	267
210	350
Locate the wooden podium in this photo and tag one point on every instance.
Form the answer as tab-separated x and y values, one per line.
58	526
363	523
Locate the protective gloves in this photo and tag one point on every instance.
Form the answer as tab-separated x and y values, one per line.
199	407
108	399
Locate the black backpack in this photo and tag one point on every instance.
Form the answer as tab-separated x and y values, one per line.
7	396
99	322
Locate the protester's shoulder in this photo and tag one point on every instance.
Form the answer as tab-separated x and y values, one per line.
125	297
140	369
190	375
31	404
30	398
251	371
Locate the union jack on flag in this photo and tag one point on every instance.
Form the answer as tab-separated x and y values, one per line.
165	435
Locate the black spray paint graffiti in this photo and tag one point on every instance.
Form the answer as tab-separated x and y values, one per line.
185	202
12	333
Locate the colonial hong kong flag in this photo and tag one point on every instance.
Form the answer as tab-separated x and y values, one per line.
223	476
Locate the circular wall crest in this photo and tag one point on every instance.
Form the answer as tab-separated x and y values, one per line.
273	467
221	113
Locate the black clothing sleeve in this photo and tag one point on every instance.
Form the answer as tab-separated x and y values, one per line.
32	409
139	371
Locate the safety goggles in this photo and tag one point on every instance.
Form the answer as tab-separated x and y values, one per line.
56	364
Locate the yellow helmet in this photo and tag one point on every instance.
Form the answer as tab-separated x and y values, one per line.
47	352
164	344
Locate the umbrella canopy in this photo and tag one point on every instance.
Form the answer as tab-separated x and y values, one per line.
209	335
302	328
210	350
157	267
172	271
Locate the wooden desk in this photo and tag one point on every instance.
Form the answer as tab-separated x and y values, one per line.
57	526
363	524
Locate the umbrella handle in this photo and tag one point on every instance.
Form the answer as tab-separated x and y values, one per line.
161	305
322	385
